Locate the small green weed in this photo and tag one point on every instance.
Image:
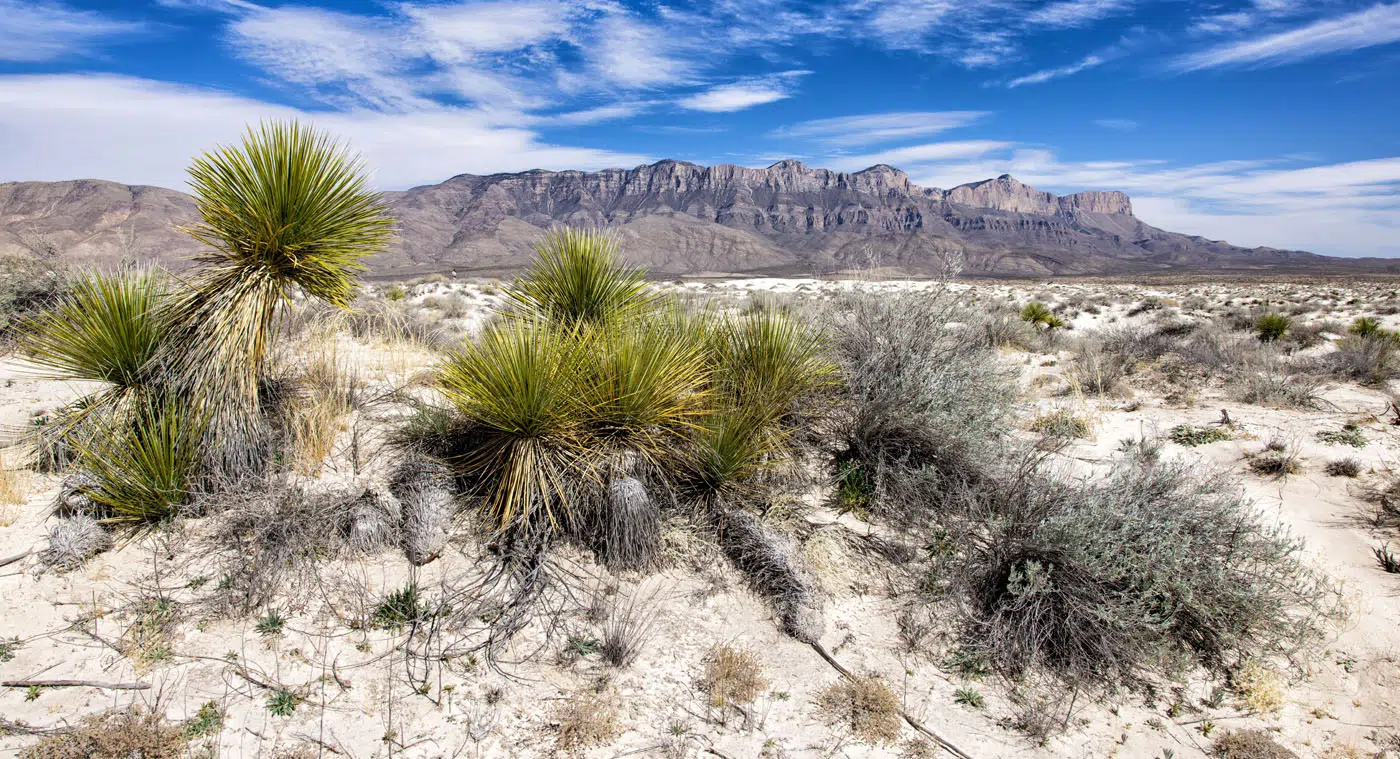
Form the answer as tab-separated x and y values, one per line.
1349	434
969	697
270	624
283	703
1190	437
400	608
207	721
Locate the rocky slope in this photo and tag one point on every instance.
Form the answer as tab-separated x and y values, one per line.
680	218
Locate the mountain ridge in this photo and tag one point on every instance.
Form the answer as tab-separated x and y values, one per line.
681	218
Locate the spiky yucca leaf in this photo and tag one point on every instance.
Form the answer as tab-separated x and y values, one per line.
644	385
577	277
292	203
143	463
517	387
768	360
733	448
105	329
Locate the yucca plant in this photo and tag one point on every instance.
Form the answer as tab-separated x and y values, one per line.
1040	315
288	209
1365	326
517	389
731	451
1271	327
645	385
768	360
143	465
577	277
105	329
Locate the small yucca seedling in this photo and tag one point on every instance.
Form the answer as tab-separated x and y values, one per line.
401	607
1388	561
969	697
1272	327
270	624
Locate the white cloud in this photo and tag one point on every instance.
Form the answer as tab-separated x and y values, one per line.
1076	13
64	126
1046	75
745	93
914	154
33	31
1120	125
632	54
458	33
875	128
1377	25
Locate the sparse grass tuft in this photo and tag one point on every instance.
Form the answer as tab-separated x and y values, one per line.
865	706
586	721
1388	561
732	678
1061	424
1347	467
627	628
1260	686
1278	459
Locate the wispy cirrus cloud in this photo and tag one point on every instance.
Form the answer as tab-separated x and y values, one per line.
918	154
876	128
1075	13
745	93
160	125
1118	125
39	31
1377	25
1045	75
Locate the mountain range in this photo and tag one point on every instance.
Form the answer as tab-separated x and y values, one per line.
680	218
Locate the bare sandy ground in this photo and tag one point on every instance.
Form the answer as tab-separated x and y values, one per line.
361	701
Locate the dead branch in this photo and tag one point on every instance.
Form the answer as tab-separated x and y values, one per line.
73	684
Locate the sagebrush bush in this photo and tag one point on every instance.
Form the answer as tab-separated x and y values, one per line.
924	399
1368	359
864	706
1099	585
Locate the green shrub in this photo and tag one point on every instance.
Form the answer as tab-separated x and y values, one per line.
1271	327
1190	436
1349	434
400	608
1061	424
395	294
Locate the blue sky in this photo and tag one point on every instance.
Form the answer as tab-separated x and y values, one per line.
1262	122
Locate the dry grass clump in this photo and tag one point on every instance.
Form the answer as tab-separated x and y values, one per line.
72	541
1260	686
587	720
865	706
1249	744
316	415
1344	467
1277	459
1370	359
733	677
117	734
1060	424
14	484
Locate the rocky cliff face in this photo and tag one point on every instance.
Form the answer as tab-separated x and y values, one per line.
682	218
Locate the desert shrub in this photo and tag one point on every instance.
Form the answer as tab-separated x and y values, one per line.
586	721
1346	467
1249	744
395	294
1038	314
1349	434
1271	384
1099	585
28	285
863	706
732	677
923	400
116	734
1277	459
1388	561
1005	329
1097	370
1271	327
1370	360
1061	424
1191	436
578	278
